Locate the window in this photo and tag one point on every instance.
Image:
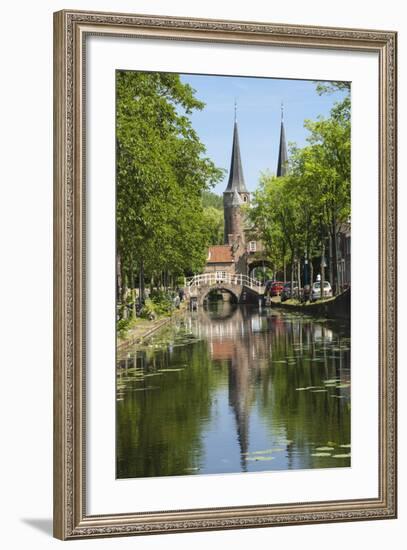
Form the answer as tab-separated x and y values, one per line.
252	246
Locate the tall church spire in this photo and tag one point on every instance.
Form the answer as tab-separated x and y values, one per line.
236	178
235	195
282	153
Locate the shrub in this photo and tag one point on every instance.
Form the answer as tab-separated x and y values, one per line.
159	303
123	326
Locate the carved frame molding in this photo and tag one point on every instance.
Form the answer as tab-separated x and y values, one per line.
70	31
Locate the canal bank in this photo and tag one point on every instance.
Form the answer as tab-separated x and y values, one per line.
144	328
338	307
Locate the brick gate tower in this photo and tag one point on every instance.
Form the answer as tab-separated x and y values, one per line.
234	196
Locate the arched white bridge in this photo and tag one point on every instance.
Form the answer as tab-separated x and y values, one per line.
242	287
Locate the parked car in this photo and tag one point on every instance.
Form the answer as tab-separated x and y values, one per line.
276	288
316	290
286	292
273	288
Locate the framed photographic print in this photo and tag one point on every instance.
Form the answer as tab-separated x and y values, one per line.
225	274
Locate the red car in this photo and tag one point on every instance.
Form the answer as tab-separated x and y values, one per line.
276	288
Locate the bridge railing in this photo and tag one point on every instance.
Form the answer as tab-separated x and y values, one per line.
212	279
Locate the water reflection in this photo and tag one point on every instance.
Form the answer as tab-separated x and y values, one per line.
234	389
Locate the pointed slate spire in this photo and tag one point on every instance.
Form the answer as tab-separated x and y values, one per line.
282	153
236	178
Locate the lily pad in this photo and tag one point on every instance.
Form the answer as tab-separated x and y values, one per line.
263	452
324	449
259	458
341	456
321	454
170	370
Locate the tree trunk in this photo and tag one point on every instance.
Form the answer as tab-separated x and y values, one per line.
311	272
119	282
331	271
133	299
124	312
335	260
299	273
322	269
284	270
292	275
124	285
141	283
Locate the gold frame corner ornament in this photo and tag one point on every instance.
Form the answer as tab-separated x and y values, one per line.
70	518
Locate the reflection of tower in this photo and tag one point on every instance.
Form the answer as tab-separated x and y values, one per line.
282	152
240	398
243	340
235	195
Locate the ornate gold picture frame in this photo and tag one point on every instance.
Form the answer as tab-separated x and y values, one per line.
71	517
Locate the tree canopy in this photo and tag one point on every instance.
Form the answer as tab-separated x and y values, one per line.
297	214
162	172
214	217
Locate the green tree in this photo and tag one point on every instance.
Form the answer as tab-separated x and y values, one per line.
213	223
326	163
161	174
264	219
279	212
212	199
300	212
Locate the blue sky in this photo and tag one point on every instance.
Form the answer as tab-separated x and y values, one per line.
258	115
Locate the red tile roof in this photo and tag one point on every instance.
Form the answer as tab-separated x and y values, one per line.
220	254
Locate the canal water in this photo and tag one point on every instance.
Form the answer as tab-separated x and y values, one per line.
235	389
